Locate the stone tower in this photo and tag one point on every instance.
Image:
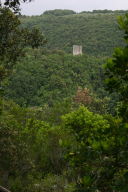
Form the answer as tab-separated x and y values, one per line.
77	50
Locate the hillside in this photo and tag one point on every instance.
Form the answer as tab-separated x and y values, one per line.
45	79
46	76
97	32
63	118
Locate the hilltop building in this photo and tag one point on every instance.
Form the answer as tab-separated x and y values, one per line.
77	50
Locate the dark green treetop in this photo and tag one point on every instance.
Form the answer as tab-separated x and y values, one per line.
117	71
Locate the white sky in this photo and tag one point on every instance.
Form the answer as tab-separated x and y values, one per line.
37	7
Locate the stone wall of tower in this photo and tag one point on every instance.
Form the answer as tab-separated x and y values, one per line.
77	50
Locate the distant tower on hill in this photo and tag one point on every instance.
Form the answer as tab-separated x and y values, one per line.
77	50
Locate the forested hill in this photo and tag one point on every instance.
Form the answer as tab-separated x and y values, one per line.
96	31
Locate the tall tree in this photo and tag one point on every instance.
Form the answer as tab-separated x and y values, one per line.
13	39
117	72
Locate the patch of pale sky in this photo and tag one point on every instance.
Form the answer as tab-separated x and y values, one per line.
37	7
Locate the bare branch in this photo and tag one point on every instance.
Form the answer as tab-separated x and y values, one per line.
2	189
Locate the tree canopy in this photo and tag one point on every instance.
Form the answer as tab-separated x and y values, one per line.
13	39
98	33
13	4
117	71
64	136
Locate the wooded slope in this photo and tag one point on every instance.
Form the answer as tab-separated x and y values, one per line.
97	32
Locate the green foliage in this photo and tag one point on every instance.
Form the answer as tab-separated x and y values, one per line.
56	183
59	12
100	160
11	43
31	149
48	140
46	79
98	32
117	72
14	154
13	40
84	151
53	114
9	40
35	38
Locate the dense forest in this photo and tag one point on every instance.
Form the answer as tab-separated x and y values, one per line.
44	79
63	118
51	73
97	32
